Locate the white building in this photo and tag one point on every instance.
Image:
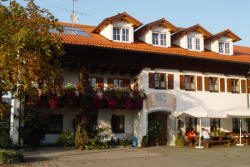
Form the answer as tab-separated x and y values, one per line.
179	69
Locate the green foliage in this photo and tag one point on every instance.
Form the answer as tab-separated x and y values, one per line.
153	131
35	122
179	141
218	133
144	141
81	138
5	141
66	139
119	142
10	157
28	52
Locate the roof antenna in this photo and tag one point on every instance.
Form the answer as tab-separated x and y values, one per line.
73	17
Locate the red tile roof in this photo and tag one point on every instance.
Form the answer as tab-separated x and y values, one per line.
241	54
160	22
227	33
195	27
119	16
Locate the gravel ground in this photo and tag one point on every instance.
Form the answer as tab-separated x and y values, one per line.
140	157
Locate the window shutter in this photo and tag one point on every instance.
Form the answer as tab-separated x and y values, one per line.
229	85
243	86
199	83
182	82
110	83
222	84
248	86
127	83
170	81
151	80
100	83
206	83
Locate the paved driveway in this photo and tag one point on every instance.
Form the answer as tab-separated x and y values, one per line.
142	157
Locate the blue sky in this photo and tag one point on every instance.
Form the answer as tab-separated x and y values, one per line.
214	15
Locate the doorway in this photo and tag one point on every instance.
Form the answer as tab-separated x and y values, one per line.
161	120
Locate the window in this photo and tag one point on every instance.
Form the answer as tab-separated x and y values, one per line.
125	34
214	124
155	39
163	39
194	43
159	39
235	85
55	124
227	48
236	125
224	47
189	83
213	84
116	34
117	123
190	123
121	34
197	44
118	83
96	82
221	47
160	81
189	43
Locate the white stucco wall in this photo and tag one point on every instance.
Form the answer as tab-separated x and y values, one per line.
183	42
214	45
68	116
188	99
107	32
147	36
104	122
136	122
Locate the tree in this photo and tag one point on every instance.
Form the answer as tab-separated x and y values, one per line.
29	53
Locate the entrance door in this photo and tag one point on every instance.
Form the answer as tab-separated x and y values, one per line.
162	120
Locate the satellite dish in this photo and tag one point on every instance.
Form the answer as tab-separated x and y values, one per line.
74	18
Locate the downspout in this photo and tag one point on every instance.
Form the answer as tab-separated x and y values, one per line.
247	93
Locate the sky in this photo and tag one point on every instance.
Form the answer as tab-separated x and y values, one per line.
213	15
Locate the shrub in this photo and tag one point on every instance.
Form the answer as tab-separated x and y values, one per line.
10	157
179	139
66	139
5	141
153	131
144	141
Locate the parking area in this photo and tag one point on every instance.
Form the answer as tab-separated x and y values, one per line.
140	157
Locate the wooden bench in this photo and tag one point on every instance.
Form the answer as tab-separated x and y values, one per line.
220	140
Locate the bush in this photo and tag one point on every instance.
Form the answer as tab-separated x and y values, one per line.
10	157
153	131
179	139
5	141
66	139
144	141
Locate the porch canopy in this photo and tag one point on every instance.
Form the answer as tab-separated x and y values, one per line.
202	112
238	112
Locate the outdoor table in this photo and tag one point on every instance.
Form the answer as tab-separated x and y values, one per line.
220	140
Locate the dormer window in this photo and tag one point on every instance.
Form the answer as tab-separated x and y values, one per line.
194	43
159	39
224	47
121	34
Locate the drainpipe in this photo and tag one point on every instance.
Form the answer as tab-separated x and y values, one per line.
247	93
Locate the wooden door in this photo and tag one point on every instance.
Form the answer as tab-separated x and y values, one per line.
162	120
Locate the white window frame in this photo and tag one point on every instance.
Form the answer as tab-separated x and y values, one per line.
158	41
123	37
224	47
194	43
